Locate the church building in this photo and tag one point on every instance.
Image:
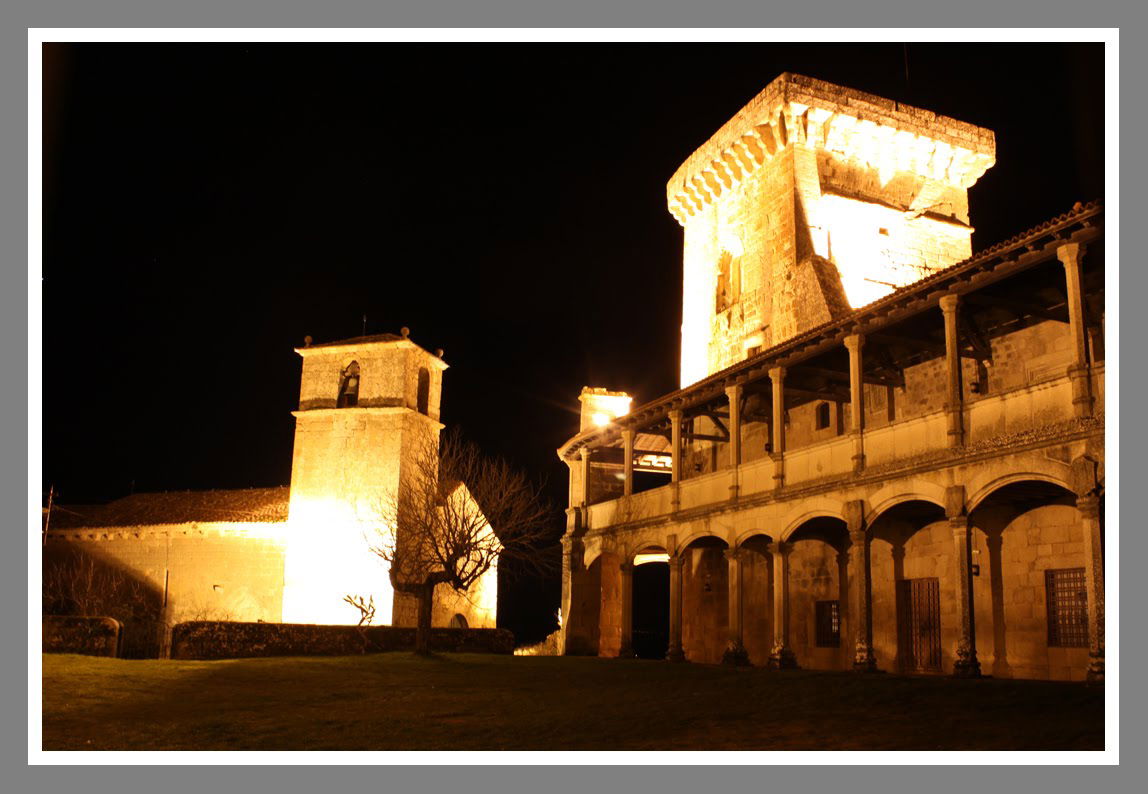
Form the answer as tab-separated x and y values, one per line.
886	453
367	407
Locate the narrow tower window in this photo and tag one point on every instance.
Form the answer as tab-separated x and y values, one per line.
728	281
424	391
349	386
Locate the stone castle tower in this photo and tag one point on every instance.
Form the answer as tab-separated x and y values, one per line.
813	200
367	407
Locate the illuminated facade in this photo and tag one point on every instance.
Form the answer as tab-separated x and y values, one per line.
812	201
886	453
367	406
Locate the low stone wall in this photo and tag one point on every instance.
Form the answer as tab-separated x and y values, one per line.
227	640
88	636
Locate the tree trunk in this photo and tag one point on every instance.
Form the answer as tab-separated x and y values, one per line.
423	627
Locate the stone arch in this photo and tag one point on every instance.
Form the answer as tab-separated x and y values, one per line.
649	600
422	396
818	598
642	547
892	495
1028	546
977	494
749	534
797	521
696	536
349	379
704	593
912	584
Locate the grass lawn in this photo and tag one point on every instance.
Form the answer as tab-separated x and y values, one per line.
396	701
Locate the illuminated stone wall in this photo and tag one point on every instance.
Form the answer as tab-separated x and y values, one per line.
210	571
812	200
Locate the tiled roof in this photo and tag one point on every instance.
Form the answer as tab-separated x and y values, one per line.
249	505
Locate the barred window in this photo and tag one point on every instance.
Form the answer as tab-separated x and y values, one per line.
828	615
1067	599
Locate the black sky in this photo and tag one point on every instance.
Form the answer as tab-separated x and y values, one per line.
207	206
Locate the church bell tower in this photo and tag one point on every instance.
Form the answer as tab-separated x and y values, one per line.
367	407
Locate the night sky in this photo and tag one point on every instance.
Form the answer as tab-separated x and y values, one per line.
207	206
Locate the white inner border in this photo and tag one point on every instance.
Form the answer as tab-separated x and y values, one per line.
1110	37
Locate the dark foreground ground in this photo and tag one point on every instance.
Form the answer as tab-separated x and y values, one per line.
397	701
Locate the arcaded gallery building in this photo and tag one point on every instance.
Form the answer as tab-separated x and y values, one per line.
886	453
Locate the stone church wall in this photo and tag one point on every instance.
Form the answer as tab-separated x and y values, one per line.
216	571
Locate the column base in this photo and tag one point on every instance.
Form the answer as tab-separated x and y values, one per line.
626	653
864	663
735	656
1095	674
967	668
676	655
782	658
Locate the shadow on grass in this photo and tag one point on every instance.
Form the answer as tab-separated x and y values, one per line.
399	701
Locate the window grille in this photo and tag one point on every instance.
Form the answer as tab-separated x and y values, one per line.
1067	597
828	617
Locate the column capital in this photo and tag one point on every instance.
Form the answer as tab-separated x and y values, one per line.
626	566
949	303
1089	506
855	342
733	390
776	373
734	555
585	453
628	433
676	560
782	548
676	414
1070	253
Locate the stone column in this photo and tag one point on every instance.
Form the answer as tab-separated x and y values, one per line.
585	453
777	378
861	593
854	344
734	395
1079	372
574	641
843	601
966	664
1089	508
676	457
735	653
781	657
627	599
675	652
628	460
954	400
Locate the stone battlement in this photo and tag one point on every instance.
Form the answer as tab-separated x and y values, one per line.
886	134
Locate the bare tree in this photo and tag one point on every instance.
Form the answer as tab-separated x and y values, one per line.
457	513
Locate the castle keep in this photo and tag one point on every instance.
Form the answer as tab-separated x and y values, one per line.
886	453
367	406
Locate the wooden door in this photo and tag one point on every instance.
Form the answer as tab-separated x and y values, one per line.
920	629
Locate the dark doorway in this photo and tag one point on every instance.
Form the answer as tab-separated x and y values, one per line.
651	625
920	635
